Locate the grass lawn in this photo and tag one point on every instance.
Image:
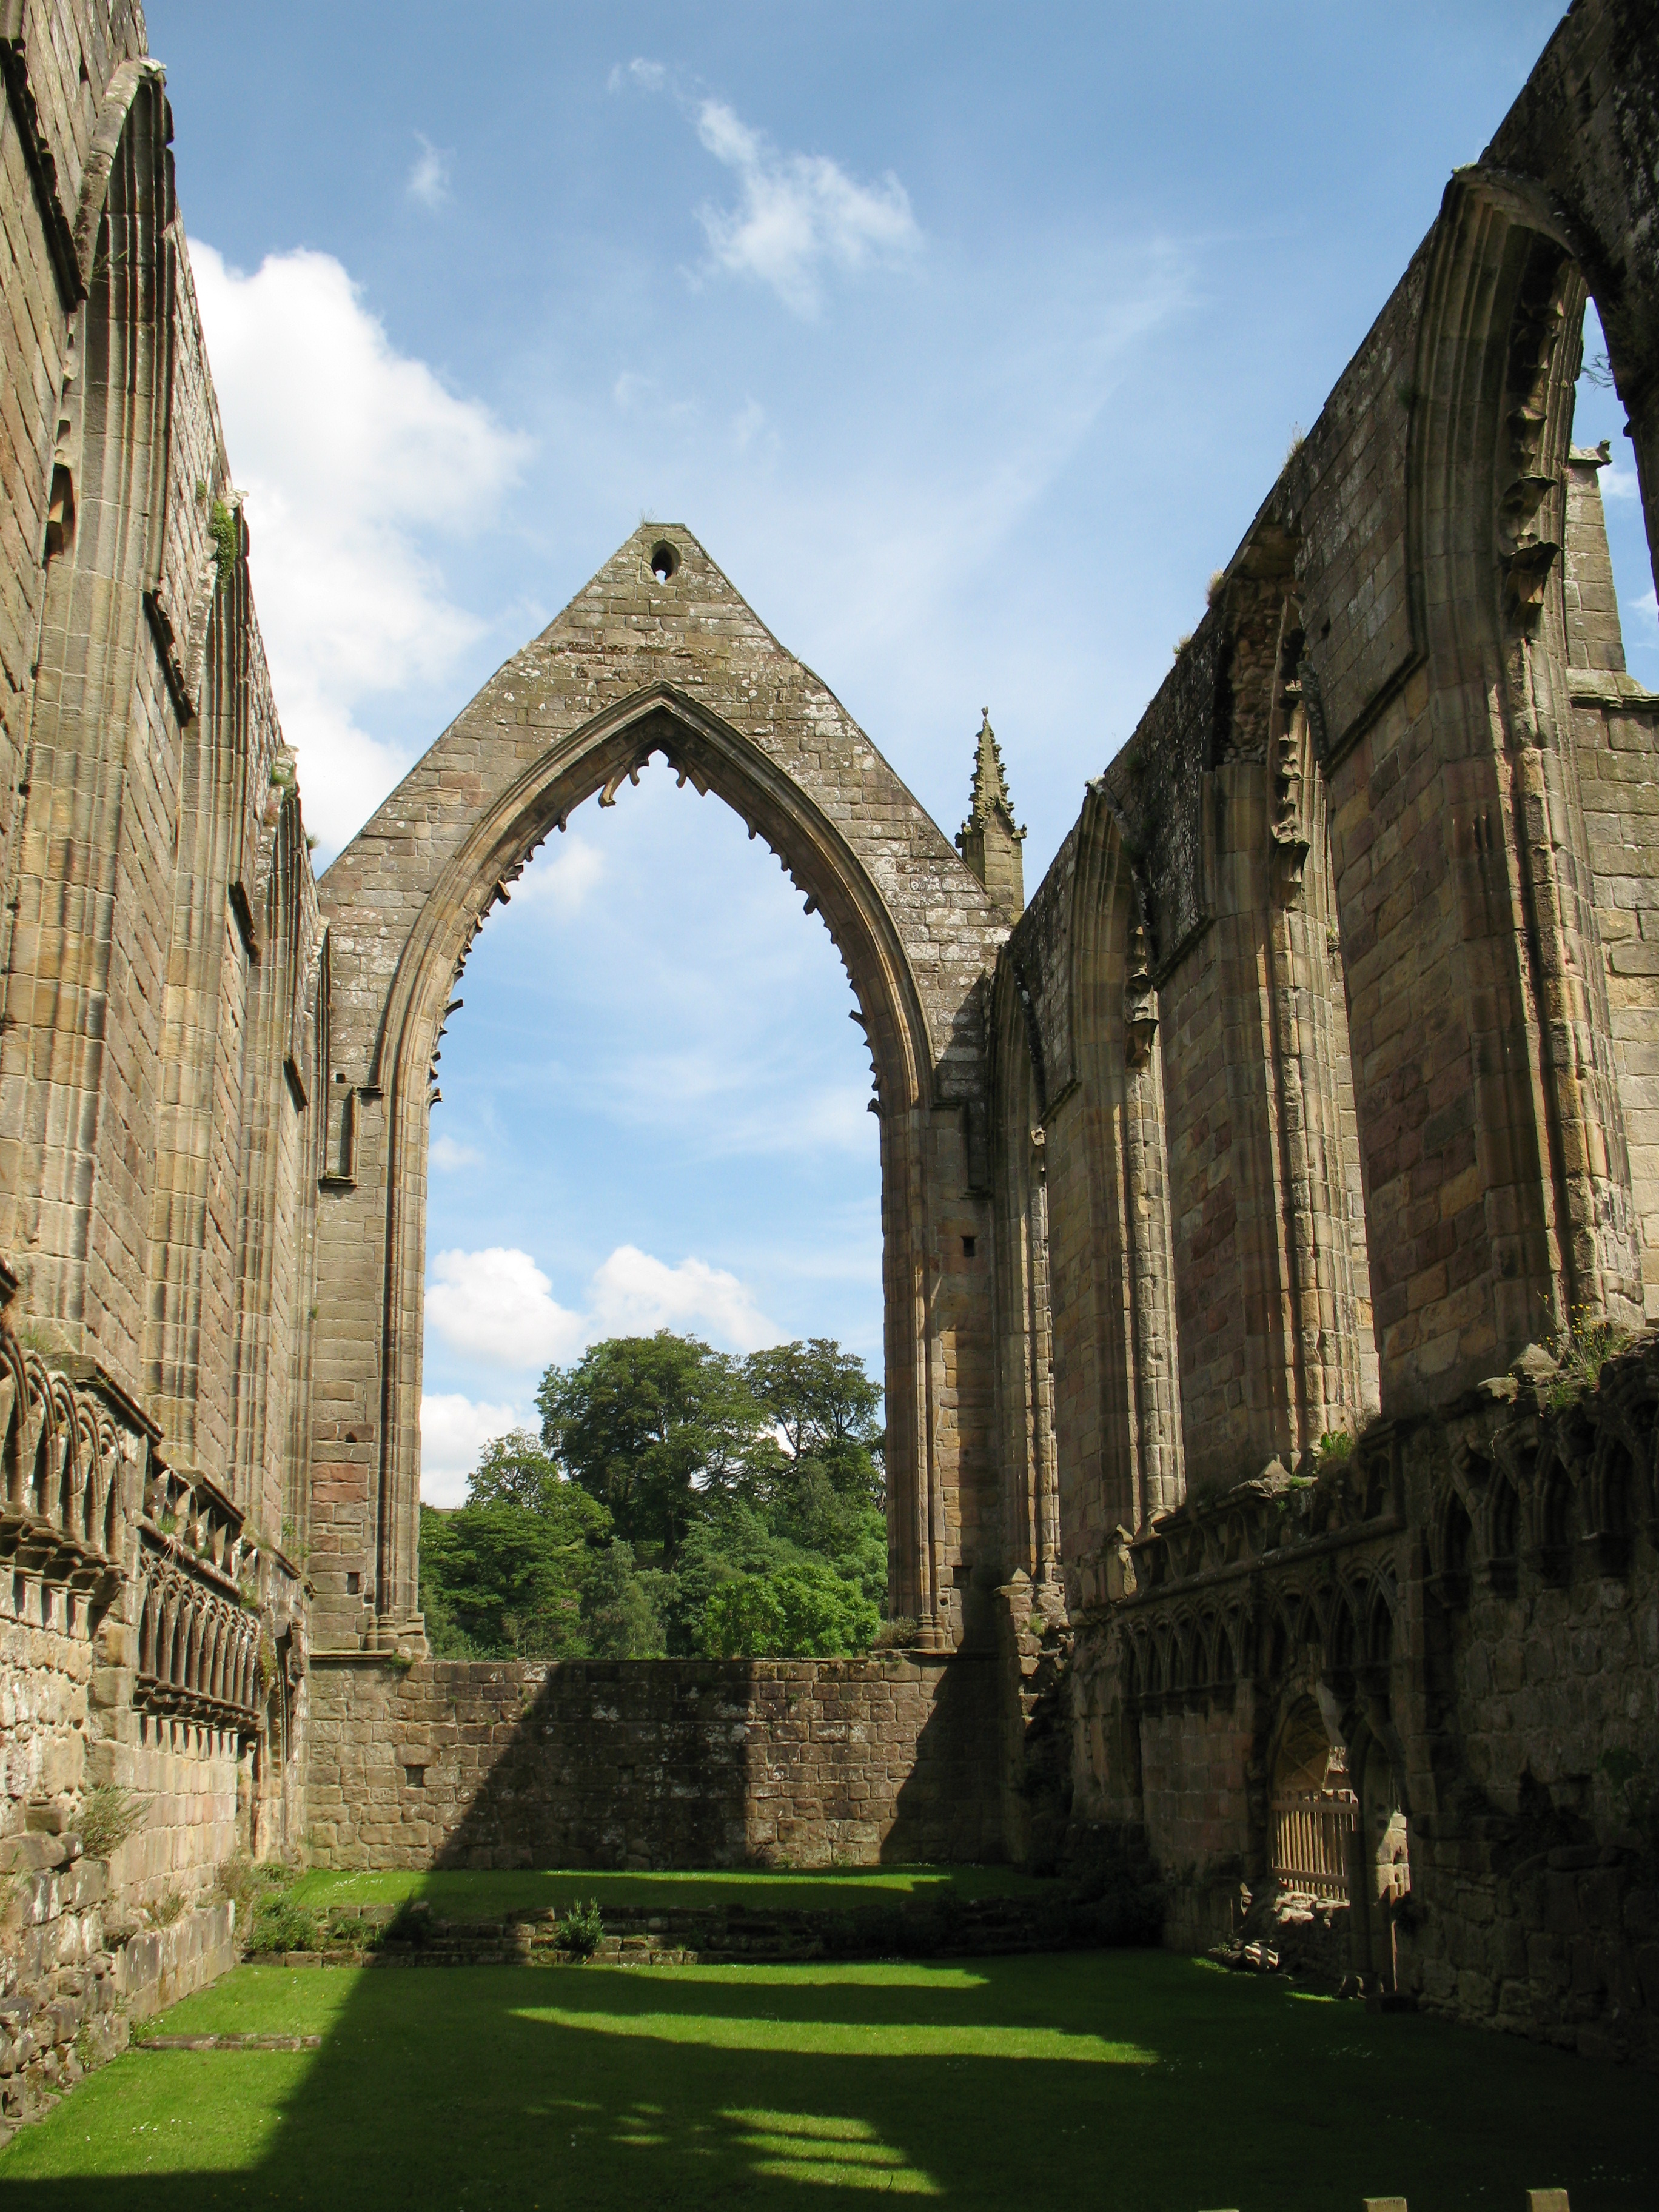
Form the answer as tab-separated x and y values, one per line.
463	1895
1091	2080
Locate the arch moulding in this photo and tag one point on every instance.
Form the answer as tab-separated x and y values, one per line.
675	665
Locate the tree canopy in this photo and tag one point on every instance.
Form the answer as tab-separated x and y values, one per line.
678	1500
502	1576
648	1425
818	1395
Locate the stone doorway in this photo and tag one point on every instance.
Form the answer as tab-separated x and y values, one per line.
1314	1813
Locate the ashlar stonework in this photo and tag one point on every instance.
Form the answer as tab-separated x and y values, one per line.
657	655
1270	1204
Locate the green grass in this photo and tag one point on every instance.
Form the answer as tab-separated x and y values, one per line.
1100	2081
458	1895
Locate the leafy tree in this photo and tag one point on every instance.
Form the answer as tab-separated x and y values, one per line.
806	1610
502	1580
623	1609
826	1407
730	1539
652	1426
842	1525
659	1510
742	1620
515	1470
829	1595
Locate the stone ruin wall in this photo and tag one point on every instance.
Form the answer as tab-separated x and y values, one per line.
673	664
158	1006
1474	1603
1314	1085
653	1763
1322	1058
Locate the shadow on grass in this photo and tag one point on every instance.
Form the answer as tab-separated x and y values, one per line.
1128	2079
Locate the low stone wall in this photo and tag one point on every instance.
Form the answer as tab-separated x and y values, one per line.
653	1762
186	1773
155	1969
72	1978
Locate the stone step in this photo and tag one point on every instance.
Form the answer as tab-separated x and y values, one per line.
729	1934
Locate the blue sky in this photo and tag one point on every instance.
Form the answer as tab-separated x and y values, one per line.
967	339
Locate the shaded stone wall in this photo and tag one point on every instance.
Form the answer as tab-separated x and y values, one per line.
1194	1762
1339	995
74	1976
1472	1604
653	1763
161	993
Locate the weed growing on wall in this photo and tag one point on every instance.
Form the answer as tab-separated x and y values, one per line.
108	1816
281	1922
581	1931
899	1634
225	546
1581	1352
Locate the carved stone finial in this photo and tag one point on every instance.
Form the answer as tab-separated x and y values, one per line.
989	840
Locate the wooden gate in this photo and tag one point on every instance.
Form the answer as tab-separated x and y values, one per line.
1311	1844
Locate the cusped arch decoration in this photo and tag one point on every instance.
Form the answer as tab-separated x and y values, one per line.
643	663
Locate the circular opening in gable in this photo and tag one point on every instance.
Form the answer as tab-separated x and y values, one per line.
664	561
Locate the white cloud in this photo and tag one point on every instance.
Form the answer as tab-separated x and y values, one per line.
750	429
633	1295
560	877
497	1306
1616	482
454	1430
645	76
736	1097
348	452
798	213
429	175
448	1156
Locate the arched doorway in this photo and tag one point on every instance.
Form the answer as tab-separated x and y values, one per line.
1313	1808
657	656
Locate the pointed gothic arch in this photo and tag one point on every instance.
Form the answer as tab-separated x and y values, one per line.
1130	1331
645	663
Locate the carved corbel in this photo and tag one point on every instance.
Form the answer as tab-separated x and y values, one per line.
628	773
1526	573
1526	555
